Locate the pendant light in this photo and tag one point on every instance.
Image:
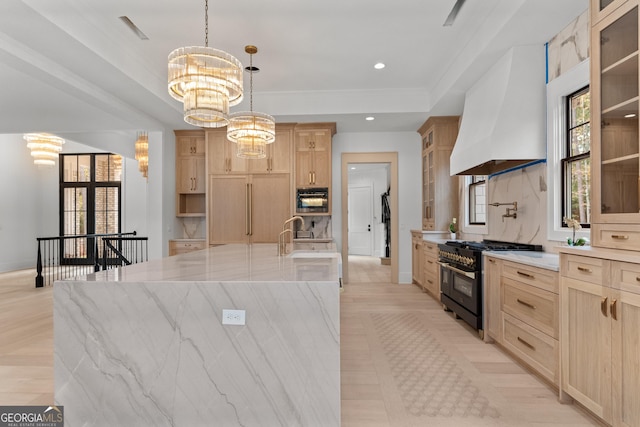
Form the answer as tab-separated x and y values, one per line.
206	80
251	131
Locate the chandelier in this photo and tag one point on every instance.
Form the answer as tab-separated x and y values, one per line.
44	147
249	130
142	153
208	81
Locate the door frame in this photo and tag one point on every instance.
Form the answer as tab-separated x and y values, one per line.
390	158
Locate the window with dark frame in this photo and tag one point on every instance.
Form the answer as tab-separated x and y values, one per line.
90	201
478	200
576	164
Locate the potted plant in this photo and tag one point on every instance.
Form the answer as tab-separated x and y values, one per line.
452	229
574	225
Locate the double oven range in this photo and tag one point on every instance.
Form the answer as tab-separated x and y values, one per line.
461	275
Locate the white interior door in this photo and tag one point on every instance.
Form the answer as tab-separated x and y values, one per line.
360	212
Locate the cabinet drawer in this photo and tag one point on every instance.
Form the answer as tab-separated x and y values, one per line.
430	265
538	277
616	236
536	349
430	248
534	306
625	276
583	268
181	246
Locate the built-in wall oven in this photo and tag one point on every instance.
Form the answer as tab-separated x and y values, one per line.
312	200
461	275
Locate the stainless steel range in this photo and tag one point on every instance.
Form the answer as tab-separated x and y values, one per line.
461	275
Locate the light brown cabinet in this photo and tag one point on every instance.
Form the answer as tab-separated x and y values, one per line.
439	189
313	154
522	313
431	269
278	158
416	257
492	308
615	142
248	208
183	246
601	8
600	300
221	154
190	174
530	317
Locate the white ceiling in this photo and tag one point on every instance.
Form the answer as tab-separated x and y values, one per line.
73	68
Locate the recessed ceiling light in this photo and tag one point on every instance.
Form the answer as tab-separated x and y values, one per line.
370	118
379	66
353	168
629	116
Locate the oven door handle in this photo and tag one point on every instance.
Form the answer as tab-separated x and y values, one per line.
469	274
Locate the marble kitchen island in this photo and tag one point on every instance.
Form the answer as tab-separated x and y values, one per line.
144	345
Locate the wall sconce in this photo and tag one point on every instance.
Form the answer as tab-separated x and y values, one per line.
142	153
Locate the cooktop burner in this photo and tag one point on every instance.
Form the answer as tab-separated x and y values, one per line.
494	245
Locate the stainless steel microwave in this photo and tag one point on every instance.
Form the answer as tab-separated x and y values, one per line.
312	200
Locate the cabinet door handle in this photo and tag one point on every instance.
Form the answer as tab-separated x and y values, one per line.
603	306
527	275
430	262
526	304
246	213
619	236
416	245
585	269
429	280
526	343
250	209
614	309
492	261
637	278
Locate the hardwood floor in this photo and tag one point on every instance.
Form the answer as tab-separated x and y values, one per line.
404	361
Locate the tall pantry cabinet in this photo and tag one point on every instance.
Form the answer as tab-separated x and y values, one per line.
600	285
439	189
249	200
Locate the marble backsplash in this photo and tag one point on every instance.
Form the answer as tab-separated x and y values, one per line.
320	226
527	187
569	47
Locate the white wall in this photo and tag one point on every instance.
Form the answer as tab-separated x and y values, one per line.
30	198
408	147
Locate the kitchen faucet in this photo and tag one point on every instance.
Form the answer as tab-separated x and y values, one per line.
511	212
281	243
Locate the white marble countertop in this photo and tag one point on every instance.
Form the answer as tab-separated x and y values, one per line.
230	263
546	260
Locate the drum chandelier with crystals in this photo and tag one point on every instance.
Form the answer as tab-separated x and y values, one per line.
249	130
208	81
44	148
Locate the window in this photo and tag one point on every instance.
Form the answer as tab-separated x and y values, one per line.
563	195
90	201
478	200
576	163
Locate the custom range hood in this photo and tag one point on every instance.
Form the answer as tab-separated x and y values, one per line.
503	122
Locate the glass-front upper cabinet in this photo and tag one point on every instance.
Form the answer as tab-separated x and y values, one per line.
615	110
601	8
